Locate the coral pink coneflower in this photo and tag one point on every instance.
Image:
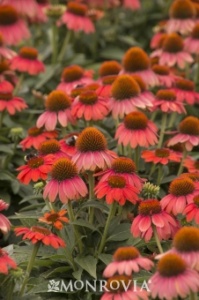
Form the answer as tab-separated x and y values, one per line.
188	133
192	42
24	7
41	17
92	152
36	136
90	106
74	76
76	18
132	4
191	211
146	97
27	61
121	287
182	13
58	109
53	148
37	168
55	218
173	272
13	29
104	90
150	215
137	130
65	182
68	144
181	192
4	222
38	234
185	91
9	102
5	73
160	156
109	67
116	188
164	74
6	262
136	61
172	52
4	51
167	102
191	165
127	260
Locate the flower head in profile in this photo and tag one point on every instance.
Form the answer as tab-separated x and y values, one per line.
160	156
191	165
4	51
192	42
137	130
65	182
185	91
4	222
191	211
27	61
188	134
9	102
127	260
109	67
150	214
136	61
181	192
92	152
58	110
173	271
38	234
164	74
6	262
23	7
12	27
55	218
51	148
76	18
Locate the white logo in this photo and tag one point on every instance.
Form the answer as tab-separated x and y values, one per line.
53	286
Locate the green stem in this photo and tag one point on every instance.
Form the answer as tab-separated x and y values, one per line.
72	219
182	162
172	119
29	267
91	183
19	84
54	42
64	45
1	118
193	296
152	170
153	116
137	157
110	216
162	130
159	177
157	239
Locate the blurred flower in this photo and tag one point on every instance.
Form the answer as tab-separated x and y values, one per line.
146	96
172	271
160	156
132	4
109	67
4	222
192	42
104	90
68	144
37	168
185	91
16	133
150	214
27	61
55	218
37	234
41	17
65	182
164	74
24	7
92	152
181	192
55	11
137	130
4	51
12	28
58	109
6	262
191	211
9	102
53	148
191	164
38	187
127	260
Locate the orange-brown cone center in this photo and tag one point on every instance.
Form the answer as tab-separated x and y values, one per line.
4	65
34	131
135	59
126	253
109	79
195	32
187	239
63	169
196	200
140	82
6	96
35	162
185	84
123	165
190	125
166	95
124	87
41	230
57	100
49	147
29	53
109	68
173	43
8	15
181	186
162	152
91	139
116	181
88	97
72	73
135	121
149	207
161	70
182	9
77	8
171	265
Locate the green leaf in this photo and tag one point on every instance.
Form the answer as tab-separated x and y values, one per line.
54	272
121	232
78	274
105	258
87	263
83	223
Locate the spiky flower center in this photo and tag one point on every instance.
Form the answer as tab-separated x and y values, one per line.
123	165
162	152
52	217
166	95
192	176
173	43
77	8
196	200
161	70
181	186
41	230
185	84
182	9
178	147
48	147
187	239
57	100
42	1
117	283
34	131
35	162
63	169
6	96
72	73
92	86
77	91
135	59
136	121
4	65
149	207
109	79
8	15
109	68
124	87
140	82
91	139
29	53
171	265
195	32
126	253
190	125
116	181
88	97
